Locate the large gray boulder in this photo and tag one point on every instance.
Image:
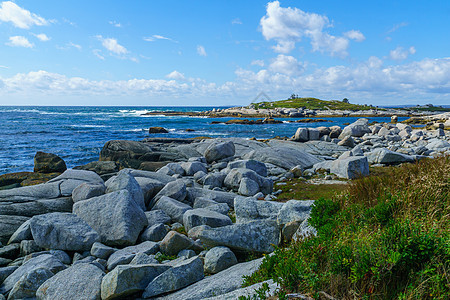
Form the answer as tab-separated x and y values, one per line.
218	151
150	175
192	167
115	216
28	284
350	167
126	153
213	180
36	207
201	216
217	284
124	181
218	259
46	261
235	176
251	164
157	216
70	179
101	251
150	187
154	233
357	129
294	210
80	281
62	231
283	157
301	135
183	274
129	279
86	191
125	255
258	236
175	190
173	208
388	157
174	242
250	209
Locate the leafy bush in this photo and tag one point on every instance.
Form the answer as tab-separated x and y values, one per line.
386	237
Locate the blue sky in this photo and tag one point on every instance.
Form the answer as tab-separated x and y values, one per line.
223	52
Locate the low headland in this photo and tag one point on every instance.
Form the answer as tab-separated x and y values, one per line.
327	213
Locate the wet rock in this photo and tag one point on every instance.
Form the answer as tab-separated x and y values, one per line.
48	163
157	130
126	153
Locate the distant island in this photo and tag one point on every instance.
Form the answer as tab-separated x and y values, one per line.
295	107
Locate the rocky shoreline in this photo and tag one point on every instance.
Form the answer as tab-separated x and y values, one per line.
177	219
251	112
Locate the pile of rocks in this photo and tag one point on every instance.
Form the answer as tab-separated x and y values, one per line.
97	232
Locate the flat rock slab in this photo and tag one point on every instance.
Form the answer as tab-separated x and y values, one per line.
80	281
115	216
62	231
257	236
36	207
217	284
201	216
129	279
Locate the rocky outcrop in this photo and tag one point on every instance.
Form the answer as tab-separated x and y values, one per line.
48	163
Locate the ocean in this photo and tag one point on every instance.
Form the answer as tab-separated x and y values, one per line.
77	134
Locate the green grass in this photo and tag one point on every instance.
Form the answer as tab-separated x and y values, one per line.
386	237
299	189
312	103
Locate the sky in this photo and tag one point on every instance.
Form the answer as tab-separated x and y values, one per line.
221	53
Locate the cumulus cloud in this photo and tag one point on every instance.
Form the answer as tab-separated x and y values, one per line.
355	35
287	26
19	17
285	64
42	37
19	41
112	45
257	62
176	75
401	54
201	50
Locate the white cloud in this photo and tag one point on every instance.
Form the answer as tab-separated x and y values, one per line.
355	35
4	67
397	27
288	26
401	54
115	24
112	45
158	37
42	37
201	50
98	53
75	45
19	41
176	75
257	62
285	64
236	21
19	17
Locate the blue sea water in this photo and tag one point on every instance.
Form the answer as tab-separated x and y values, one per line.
77	134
